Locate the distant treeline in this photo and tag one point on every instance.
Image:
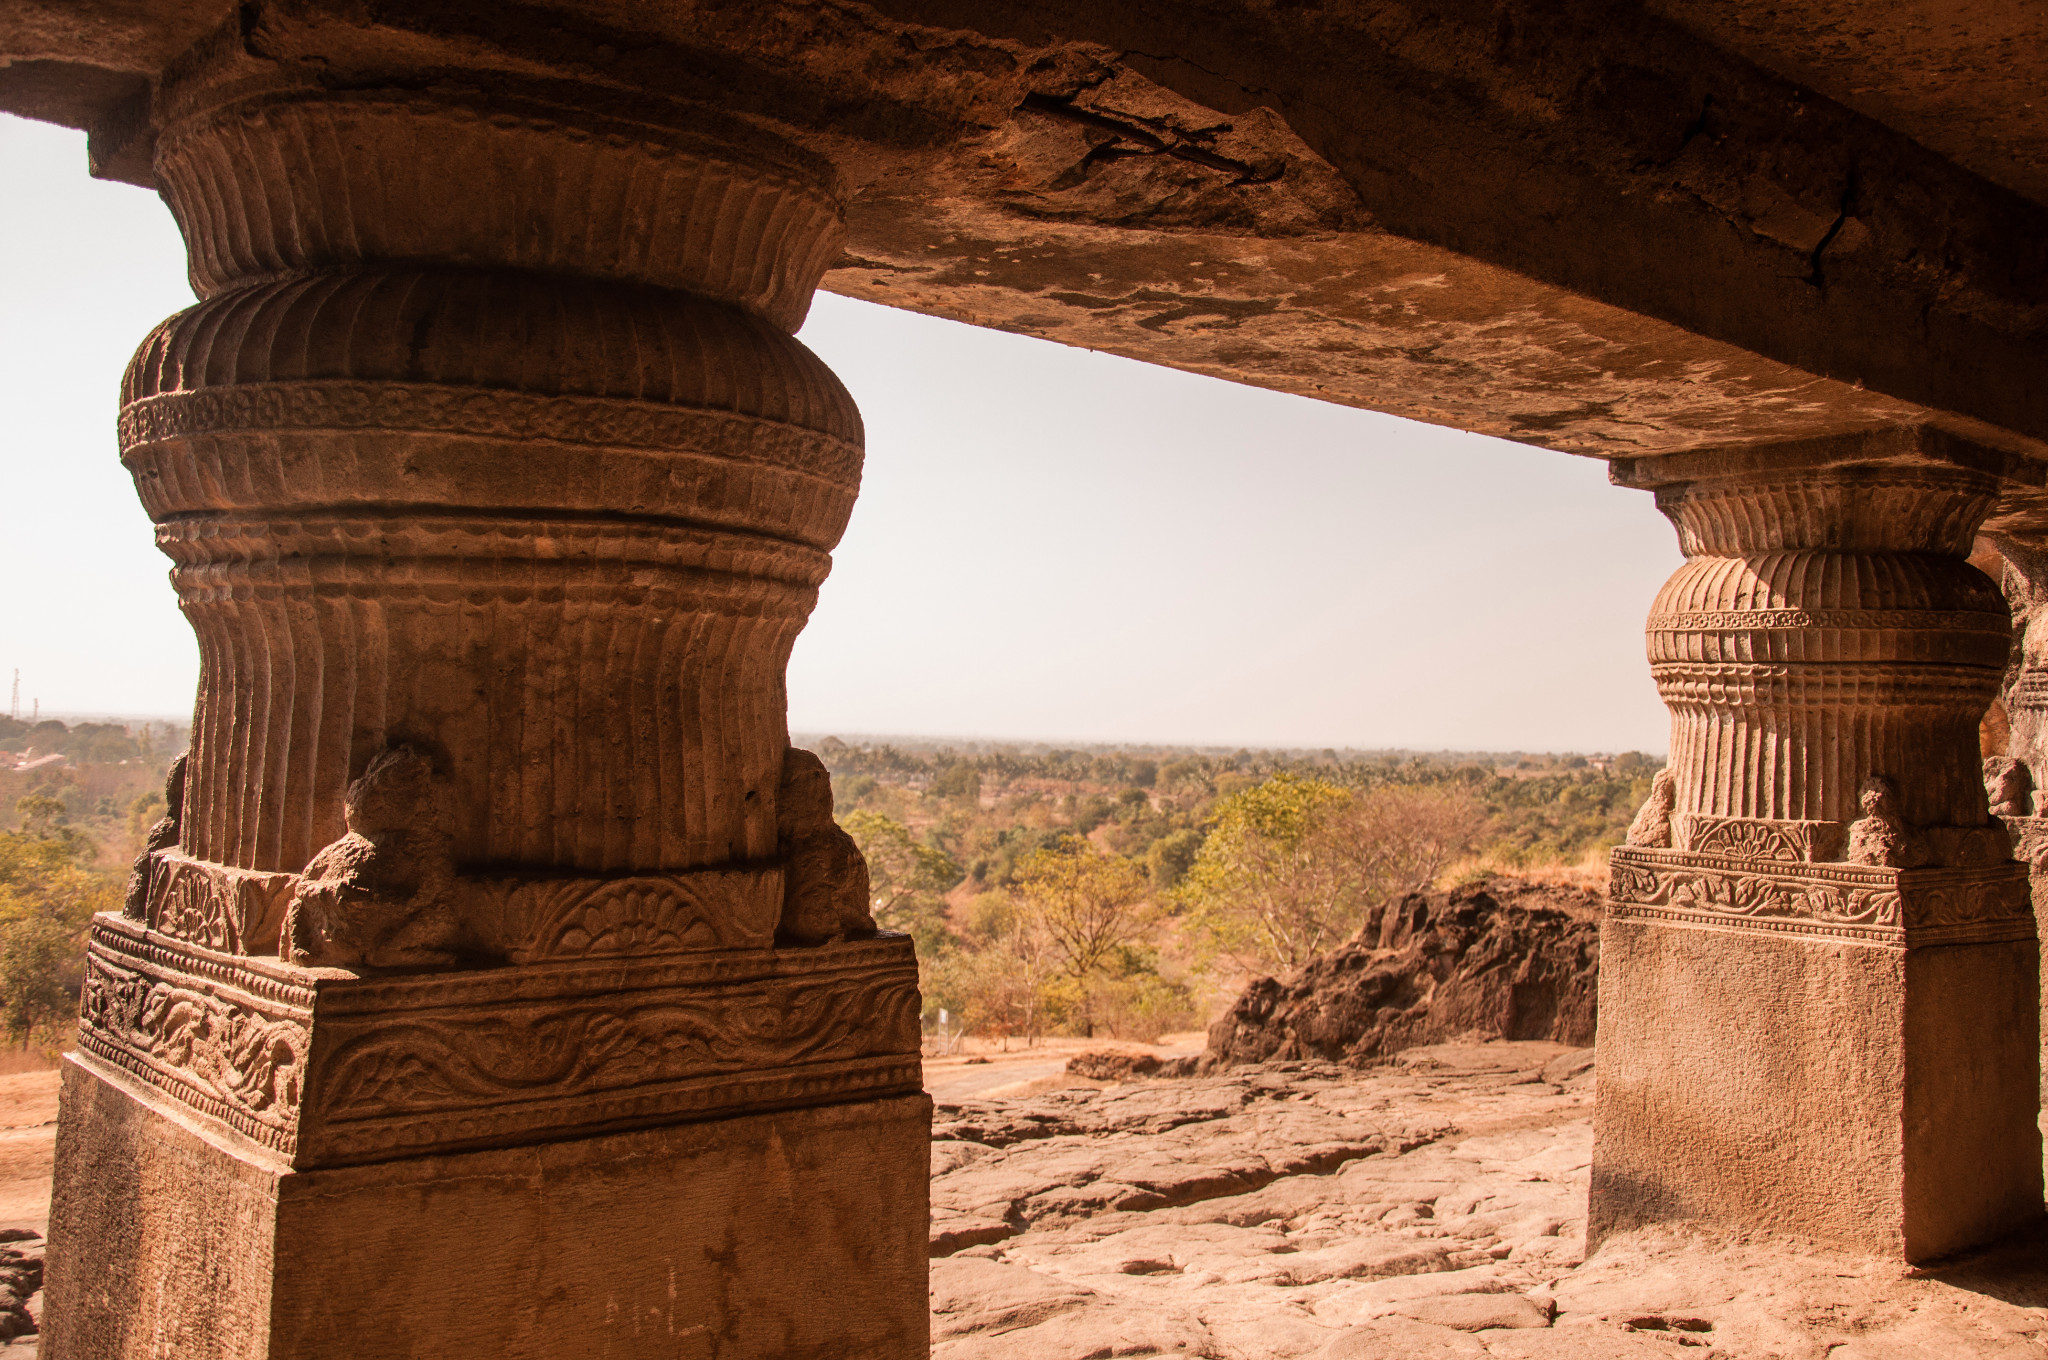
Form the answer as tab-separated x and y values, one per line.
93	743
1078	890
1545	809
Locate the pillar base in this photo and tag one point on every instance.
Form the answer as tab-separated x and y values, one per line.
1842	1052
797	1233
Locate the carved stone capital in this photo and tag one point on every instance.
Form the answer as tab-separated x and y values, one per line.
511	458
1825	629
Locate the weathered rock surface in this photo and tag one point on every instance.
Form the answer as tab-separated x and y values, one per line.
1500	959
1112	1065
1433	1206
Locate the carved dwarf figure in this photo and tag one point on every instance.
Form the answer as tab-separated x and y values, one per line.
384	894
1652	826
825	888
2009	785
1882	835
162	836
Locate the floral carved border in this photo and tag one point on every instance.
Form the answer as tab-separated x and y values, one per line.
1756	838
517	919
1845	901
578	918
237	911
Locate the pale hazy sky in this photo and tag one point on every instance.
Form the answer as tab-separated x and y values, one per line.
1050	543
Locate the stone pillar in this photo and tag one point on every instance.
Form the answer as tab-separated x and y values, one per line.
2013	778
1819	971
501	983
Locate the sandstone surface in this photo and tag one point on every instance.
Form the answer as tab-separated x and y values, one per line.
1432	1206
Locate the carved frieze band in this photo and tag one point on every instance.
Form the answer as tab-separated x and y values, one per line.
515	919
235	1052
1866	903
444	1061
600	422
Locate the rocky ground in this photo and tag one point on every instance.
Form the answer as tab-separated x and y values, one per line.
1432	1207
28	1133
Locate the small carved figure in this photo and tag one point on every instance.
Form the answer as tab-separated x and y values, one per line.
1882	836
163	836
2009	784
825	888
384	894
1652	826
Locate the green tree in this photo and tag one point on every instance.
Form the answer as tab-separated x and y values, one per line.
48	894
907	879
40	814
40	974
958	780
1171	856
1293	865
1000	983
1091	909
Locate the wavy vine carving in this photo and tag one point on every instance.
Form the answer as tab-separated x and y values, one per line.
1989	899
423	1065
1735	893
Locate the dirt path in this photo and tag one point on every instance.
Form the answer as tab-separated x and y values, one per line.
28	1136
28	1140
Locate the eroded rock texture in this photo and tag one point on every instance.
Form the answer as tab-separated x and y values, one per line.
1500	960
1428	1208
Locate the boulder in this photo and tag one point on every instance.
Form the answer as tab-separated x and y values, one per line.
1500	959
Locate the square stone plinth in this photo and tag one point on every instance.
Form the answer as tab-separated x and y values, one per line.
798	1234
1841	1052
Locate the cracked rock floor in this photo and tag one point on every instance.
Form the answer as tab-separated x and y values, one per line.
1431	1208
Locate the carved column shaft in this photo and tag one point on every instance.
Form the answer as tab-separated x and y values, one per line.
1816	911
512	458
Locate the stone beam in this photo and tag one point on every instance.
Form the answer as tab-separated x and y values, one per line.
497	937
1596	229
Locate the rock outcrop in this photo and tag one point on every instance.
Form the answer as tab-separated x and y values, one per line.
1497	959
